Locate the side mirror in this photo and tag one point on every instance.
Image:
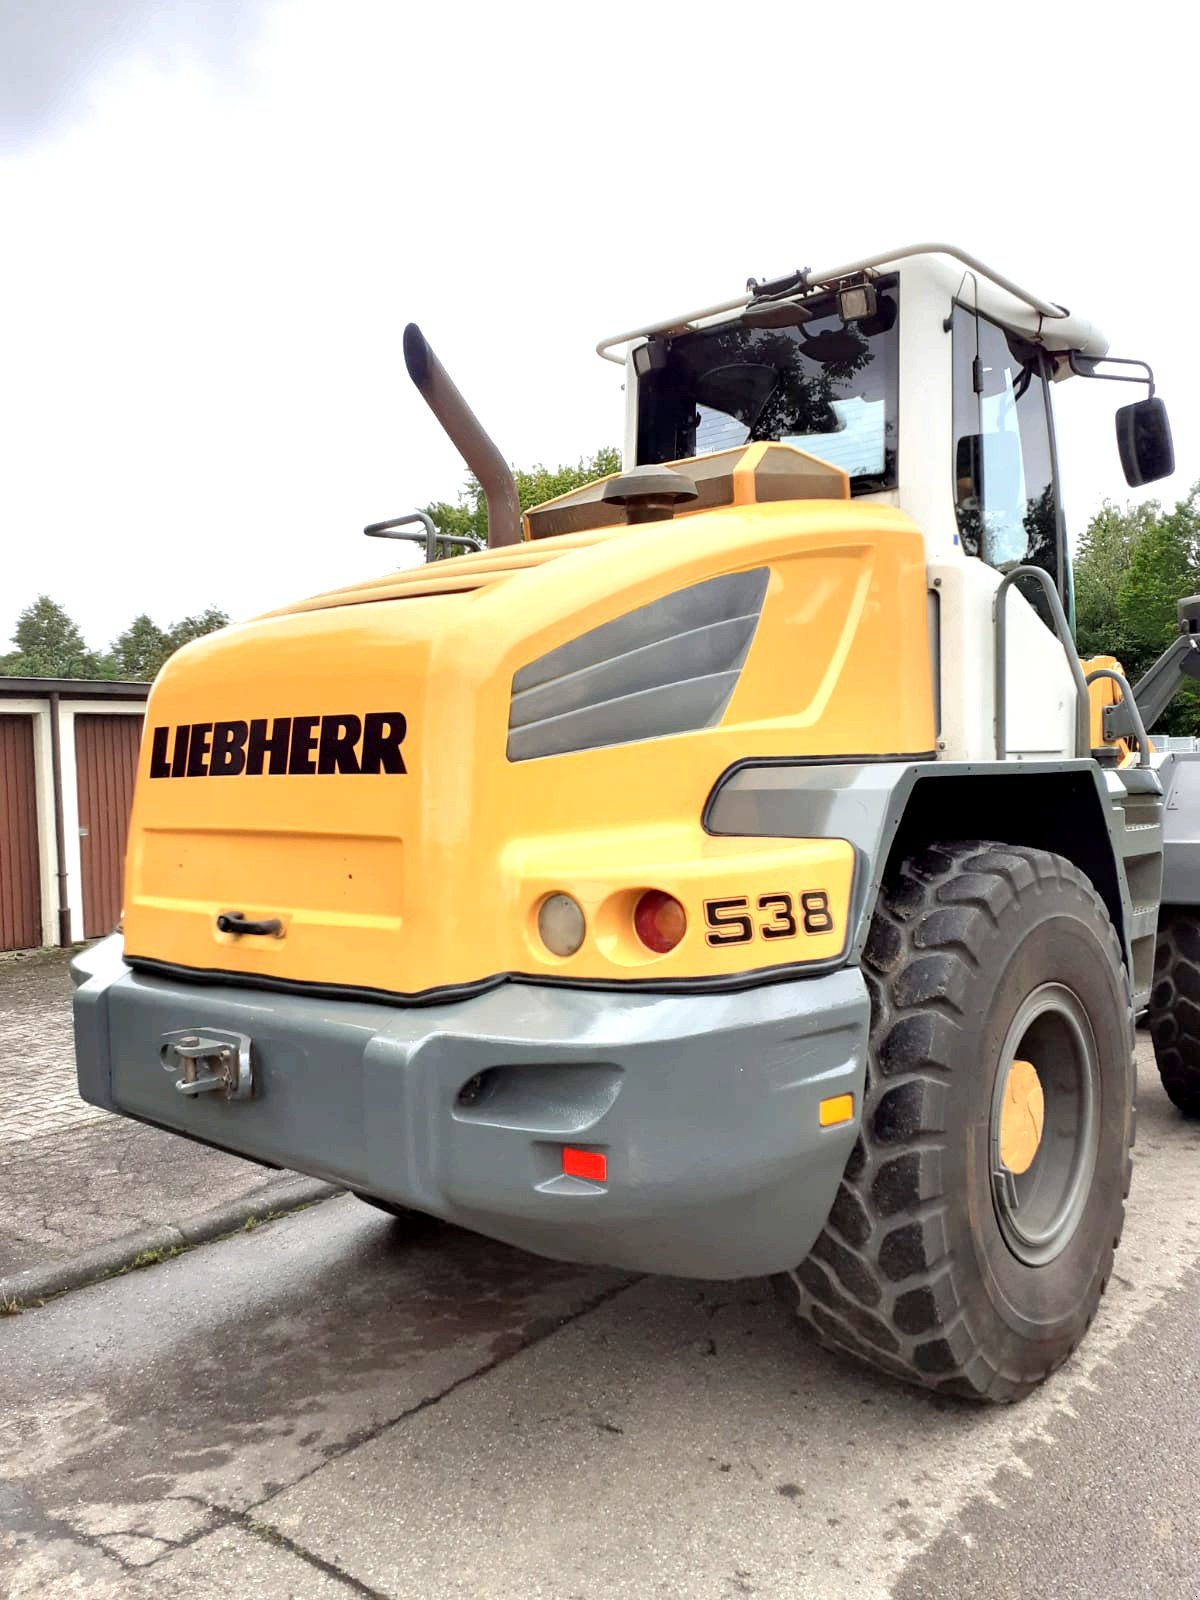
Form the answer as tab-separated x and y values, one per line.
1144	442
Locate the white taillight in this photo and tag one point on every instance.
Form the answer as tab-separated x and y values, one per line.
561	924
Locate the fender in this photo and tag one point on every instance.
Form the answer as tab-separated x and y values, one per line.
1109	823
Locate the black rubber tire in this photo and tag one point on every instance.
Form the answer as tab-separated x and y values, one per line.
1174	1010
912	1271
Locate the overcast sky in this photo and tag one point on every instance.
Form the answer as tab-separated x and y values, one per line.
218	217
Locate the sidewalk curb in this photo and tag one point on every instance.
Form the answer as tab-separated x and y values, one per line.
25	1289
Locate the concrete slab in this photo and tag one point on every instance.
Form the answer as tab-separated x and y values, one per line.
207	1383
677	1441
236	1565
415	1411
230	1564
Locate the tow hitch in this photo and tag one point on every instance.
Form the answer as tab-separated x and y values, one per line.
213	1061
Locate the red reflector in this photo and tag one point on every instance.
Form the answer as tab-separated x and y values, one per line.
591	1164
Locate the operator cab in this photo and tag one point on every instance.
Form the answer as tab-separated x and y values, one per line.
925	376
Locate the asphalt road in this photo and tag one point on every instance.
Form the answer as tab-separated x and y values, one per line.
338	1405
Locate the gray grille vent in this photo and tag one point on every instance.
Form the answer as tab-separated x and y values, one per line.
665	668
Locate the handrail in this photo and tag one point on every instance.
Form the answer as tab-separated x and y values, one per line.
1062	630
1044	308
1131	706
431	538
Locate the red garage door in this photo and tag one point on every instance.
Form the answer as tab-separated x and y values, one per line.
106	752
20	886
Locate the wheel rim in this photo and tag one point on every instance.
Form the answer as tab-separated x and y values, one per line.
1042	1164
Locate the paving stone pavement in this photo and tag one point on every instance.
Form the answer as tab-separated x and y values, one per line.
37	1058
72	1176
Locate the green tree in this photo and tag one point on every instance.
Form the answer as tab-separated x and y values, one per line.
139	652
1131	567
534	487
189	628
1163	567
1101	561
50	645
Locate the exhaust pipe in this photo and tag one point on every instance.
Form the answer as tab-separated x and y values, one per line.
468	437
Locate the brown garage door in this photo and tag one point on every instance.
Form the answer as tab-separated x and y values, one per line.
20	886
106	752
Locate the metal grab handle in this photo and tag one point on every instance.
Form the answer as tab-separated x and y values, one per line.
431	538
1131	706
1062	630
235	922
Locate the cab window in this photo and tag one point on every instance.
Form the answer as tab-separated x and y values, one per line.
826	386
1005	488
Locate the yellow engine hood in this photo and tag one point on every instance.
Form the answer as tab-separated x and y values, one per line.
346	769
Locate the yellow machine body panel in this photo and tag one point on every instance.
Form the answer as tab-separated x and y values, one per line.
352	769
1102	693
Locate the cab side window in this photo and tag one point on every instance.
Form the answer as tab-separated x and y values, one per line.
1006	496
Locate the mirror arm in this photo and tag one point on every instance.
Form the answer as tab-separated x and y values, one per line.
1085	367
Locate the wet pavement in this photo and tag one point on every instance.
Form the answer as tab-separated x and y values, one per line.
338	1404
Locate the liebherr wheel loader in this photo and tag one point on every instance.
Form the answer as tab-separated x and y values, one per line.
730	870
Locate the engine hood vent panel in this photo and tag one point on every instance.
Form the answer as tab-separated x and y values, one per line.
668	667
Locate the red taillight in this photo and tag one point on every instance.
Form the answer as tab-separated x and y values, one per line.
659	921
592	1164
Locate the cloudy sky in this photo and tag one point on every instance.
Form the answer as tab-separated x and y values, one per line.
219	216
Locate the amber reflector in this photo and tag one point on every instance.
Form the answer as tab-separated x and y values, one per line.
838	1108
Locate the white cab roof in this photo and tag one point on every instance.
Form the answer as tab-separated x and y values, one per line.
943	267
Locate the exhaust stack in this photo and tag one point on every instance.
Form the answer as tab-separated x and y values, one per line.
468	437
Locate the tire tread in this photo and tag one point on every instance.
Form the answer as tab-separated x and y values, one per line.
1173	1013
932	919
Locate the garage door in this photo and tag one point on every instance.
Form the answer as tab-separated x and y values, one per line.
20	887
106	752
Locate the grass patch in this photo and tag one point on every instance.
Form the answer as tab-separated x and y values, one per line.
150	1258
11	1307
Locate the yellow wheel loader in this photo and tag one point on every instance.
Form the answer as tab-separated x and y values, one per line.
730	870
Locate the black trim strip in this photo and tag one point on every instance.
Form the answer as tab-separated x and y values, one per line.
446	994
906	757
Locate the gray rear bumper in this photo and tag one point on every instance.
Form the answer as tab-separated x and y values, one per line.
706	1106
